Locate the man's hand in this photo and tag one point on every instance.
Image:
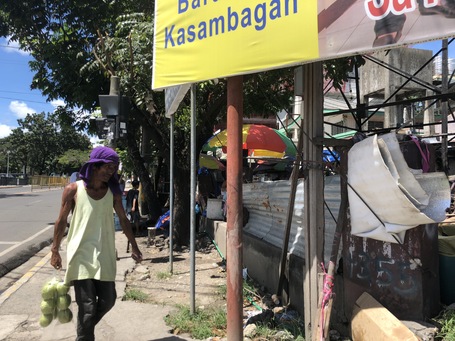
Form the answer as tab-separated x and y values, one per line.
136	255
56	260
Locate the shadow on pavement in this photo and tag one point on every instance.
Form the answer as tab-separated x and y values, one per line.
170	338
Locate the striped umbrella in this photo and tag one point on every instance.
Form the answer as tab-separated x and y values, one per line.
210	162
259	140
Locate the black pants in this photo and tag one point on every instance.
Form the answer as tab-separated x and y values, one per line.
94	299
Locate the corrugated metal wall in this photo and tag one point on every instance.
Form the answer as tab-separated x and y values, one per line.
267	203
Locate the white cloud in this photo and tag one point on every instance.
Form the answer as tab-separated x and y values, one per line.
58	103
13	47
20	109
4	131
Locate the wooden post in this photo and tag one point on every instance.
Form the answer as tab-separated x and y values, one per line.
313	191
234	257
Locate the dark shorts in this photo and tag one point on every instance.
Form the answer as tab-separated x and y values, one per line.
134	217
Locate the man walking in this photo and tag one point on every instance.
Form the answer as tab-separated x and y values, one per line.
91	254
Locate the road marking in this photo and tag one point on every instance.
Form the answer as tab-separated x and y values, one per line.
24	279
8	243
26	241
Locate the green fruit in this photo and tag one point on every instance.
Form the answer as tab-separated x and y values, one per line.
65	316
45	320
63	302
49	290
47	306
62	288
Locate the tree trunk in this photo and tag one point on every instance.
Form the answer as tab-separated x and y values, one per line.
153	206
181	207
158	172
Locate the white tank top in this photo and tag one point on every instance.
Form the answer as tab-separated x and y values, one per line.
91	238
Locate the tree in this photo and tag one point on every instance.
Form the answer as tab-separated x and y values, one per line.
40	140
72	160
77	47
5	148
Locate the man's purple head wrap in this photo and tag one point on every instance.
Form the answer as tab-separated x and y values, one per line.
104	155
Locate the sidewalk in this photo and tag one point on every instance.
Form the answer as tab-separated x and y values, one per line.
127	321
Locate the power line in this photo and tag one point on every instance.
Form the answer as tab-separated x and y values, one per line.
22	93
10	47
24	100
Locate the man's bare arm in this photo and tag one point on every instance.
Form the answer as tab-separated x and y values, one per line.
67	205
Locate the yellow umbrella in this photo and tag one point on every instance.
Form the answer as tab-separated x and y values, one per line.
210	162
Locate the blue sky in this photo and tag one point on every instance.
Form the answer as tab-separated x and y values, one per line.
16	98
435	46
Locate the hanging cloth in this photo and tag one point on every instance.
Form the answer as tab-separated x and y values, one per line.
425	154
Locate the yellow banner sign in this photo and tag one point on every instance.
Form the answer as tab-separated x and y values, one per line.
197	40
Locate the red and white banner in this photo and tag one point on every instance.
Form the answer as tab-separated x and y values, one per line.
347	27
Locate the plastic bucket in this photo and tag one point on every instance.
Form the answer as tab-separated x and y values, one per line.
215	209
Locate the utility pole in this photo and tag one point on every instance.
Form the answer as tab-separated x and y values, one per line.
7	164
444	106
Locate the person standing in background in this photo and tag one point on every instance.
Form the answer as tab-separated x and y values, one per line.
132	205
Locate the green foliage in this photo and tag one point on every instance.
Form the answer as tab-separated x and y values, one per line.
72	160
39	142
212	322
163	275
222	290
200	325
135	295
264	332
447	321
5	147
125	159
337	70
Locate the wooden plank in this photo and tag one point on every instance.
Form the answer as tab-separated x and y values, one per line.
372	322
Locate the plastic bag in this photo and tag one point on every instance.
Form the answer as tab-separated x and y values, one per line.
55	303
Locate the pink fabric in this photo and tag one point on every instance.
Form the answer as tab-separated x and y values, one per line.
425	155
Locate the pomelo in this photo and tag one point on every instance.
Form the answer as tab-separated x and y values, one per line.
63	302
62	288
45	320
47	306
65	316
49	290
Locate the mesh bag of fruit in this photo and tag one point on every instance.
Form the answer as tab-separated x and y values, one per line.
55	303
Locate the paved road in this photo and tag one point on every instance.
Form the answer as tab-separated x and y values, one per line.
26	223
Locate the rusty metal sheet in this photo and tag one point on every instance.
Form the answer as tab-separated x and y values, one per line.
267	203
404	278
